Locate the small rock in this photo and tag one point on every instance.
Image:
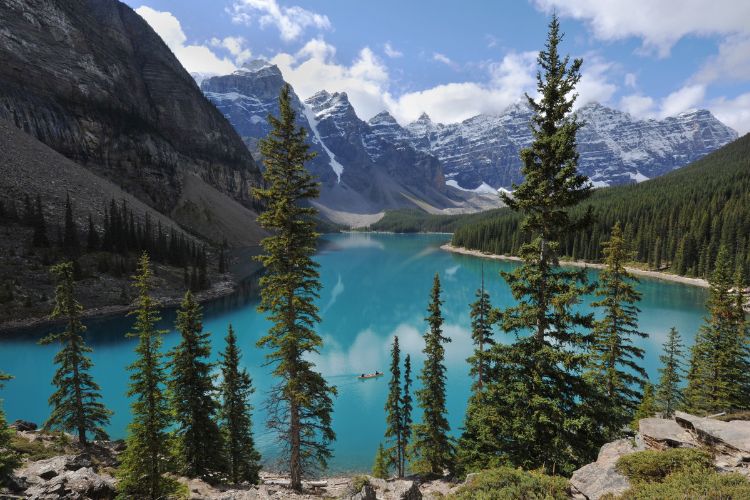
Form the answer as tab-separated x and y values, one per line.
23	426
367	493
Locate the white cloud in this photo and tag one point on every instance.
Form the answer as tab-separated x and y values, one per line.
391	52
195	58
733	112
290	21
631	80
659	24
638	105
442	58
594	85
236	46
731	63
685	98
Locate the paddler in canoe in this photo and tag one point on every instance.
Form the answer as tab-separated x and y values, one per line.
370	375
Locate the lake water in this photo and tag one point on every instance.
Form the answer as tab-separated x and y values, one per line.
375	286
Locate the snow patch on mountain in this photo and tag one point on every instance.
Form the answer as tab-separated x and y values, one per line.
337	167
483	188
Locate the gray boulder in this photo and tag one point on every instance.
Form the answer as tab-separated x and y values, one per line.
597	479
660	434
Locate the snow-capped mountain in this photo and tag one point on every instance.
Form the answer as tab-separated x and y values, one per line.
378	164
360	171
614	147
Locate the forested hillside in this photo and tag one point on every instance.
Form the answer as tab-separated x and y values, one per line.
676	222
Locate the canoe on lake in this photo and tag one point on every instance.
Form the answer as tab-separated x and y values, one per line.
370	375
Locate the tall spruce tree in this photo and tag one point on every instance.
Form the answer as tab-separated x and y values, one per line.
70	244
8	458
192	391
236	421
669	395
76	404
647	408
431	446
406	408
481	333
394	431
615	367
740	368
147	455
300	404
719	357
540	393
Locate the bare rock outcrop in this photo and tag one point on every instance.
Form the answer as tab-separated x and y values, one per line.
596	479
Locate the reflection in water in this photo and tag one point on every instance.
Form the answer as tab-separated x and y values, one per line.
375	286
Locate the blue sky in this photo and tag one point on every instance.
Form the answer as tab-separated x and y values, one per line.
454	59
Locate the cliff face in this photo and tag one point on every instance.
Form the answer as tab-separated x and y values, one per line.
92	80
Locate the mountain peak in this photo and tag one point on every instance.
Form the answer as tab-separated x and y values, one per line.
424	118
383	118
257	66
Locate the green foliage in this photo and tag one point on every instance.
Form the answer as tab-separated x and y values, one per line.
720	362
701	484
382	464
191	391
669	395
615	368
301	403
406	408
507	483
654	466
76	404
431	446
358	482
647	407
678	220
394	431
482	318
39	449
147	456
8	457
535	404
236	422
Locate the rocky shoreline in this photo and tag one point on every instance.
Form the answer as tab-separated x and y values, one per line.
217	291
579	263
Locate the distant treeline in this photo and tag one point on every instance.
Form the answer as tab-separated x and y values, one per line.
123	236
413	220
676	222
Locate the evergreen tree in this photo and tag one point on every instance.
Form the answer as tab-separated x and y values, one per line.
741	345
669	395
8	459
70	244
539	393
431	446
615	359
191	390
382	463
719	358
301	403
39	238
394	431
406	408
92	240
481	334
146	456
647	408
76	404
236	422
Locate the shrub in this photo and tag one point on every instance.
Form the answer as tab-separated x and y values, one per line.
654	466
698	483
507	483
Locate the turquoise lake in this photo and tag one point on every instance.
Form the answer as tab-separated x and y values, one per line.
375	286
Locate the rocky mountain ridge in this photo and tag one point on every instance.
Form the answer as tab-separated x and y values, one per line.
361	173
92	80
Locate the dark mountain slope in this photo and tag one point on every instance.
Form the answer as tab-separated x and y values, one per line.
93	81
